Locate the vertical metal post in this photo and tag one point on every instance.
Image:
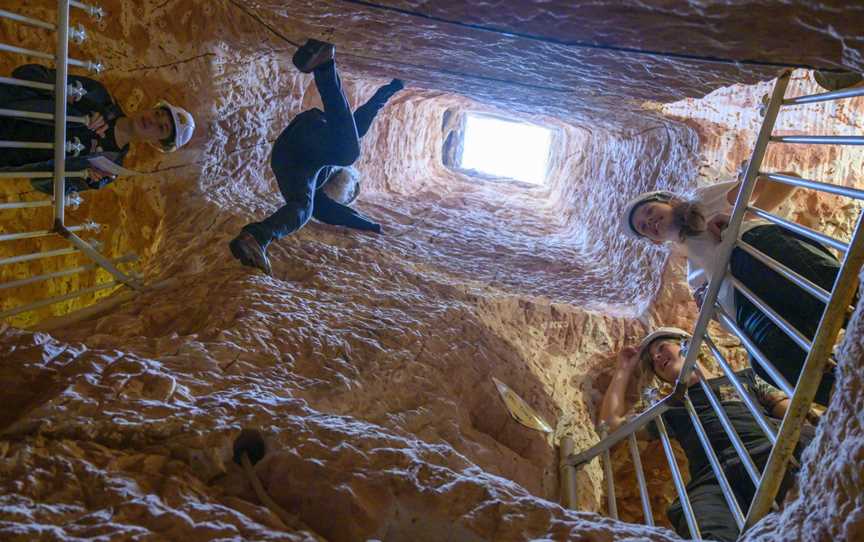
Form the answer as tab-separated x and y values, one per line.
60	111
568	474
640	477
678	479
611	503
104	262
725	487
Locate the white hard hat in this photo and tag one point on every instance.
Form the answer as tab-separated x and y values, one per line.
661	333
184	126
633	204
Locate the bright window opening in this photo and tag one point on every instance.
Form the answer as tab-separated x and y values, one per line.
505	148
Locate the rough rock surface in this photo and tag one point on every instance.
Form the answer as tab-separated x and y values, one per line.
367	360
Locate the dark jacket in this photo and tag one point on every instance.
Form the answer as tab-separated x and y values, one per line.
96	100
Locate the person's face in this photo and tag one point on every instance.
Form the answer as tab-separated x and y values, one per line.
655	220
666	359
152	125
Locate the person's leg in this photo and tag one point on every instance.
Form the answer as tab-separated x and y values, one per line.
713	517
365	114
296	180
341	145
800	309
799	254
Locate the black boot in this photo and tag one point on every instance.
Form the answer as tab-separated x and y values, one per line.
313	54
832	81
245	248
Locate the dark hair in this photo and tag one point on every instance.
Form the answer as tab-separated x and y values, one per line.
689	216
168	141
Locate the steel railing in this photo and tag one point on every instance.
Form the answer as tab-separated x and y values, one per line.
62	90
837	301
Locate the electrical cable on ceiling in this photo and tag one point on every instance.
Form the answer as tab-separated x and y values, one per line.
585	45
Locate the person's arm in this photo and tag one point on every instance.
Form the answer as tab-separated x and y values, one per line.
775	401
767	194
615	405
330	212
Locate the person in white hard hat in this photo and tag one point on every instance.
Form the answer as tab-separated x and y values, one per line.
694	224
108	132
662	354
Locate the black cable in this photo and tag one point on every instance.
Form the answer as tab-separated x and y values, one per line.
585	45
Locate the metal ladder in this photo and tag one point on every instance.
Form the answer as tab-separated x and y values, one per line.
60	147
818	350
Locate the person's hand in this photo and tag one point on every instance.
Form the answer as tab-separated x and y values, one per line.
716	225
813	417
628	359
699	295
97	124
96	174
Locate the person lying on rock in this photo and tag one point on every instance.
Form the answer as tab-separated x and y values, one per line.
661	354
694	223
108	133
311	160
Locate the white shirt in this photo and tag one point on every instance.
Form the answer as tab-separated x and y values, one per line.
702	249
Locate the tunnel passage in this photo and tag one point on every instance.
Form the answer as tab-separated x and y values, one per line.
367	361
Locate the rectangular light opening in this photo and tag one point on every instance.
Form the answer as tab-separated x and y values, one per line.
506	148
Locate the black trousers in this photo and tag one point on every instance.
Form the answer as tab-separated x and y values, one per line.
808	259
314	140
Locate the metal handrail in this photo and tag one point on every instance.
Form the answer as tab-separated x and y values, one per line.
819	140
40	255
621	433
680	487
60	89
58	299
778	320
87	226
63	273
39	116
825	96
89	65
802	230
739	447
640	479
802	282
794	180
